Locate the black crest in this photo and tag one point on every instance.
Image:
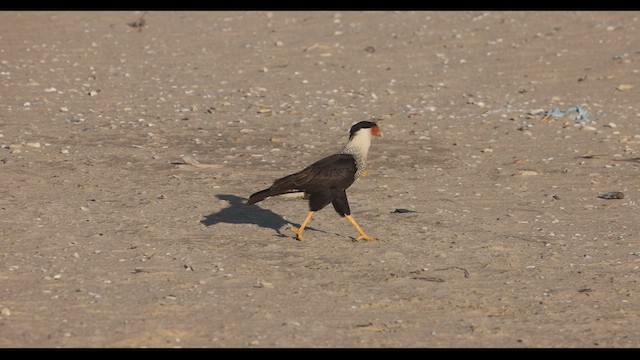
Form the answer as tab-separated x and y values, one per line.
361	125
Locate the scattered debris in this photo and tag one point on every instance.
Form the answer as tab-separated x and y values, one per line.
466	273
263	284
264	110
527	173
589	156
364	325
140	23
428	278
612	195
575	112
403	211
636	159
291	323
190	161
624	87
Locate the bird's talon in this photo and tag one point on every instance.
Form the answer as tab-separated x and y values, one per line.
297	232
365	237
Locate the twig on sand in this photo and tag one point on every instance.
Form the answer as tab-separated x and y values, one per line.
428	278
189	161
466	273
636	159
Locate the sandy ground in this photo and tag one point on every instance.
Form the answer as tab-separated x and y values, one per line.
126	157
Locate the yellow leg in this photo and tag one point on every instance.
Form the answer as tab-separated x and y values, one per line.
362	236
299	230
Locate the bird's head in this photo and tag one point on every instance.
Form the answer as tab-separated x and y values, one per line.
366	128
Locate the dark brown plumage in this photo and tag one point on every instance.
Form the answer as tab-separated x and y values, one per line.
321	182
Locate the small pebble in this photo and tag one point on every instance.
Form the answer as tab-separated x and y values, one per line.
93	93
34	145
527	173
264	284
624	87
5	312
51	89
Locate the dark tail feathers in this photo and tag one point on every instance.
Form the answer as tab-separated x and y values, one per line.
259	196
285	185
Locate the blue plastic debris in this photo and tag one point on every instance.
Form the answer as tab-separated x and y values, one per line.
581	114
575	112
555	113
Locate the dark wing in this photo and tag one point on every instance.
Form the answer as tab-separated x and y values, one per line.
321	181
333	173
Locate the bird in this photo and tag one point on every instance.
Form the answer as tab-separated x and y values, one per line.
325	181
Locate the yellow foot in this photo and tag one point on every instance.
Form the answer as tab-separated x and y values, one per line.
297	232
365	237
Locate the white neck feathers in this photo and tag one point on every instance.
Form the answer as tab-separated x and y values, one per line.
358	147
359	144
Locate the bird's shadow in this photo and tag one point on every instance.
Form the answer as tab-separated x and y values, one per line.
239	212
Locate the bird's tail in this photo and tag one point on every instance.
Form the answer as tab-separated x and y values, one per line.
259	196
281	186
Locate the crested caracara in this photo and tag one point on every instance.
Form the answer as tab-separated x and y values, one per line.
326	181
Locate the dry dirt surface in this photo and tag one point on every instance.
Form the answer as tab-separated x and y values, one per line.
128	149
